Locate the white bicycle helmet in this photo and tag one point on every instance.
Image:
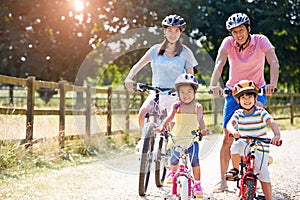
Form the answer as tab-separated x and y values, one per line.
237	19
186	79
173	20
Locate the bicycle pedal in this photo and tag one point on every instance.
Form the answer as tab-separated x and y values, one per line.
199	197
169	182
232	178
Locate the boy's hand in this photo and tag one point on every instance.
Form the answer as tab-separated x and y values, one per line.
236	135
276	139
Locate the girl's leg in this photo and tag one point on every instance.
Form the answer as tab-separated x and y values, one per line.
197	173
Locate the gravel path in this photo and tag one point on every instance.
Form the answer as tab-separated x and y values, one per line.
118	179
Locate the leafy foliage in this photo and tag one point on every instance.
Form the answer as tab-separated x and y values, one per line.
54	40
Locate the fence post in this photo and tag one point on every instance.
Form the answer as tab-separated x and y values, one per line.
292	108
109	113
127	112
30	111
88	112
62	114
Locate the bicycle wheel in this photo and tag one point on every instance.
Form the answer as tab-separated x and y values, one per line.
146	159
184	188
160	167
249	189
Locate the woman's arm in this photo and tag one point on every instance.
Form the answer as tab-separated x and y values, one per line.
134	70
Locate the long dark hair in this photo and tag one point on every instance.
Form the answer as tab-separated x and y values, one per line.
178	49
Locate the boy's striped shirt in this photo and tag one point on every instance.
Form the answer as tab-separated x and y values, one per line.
254	124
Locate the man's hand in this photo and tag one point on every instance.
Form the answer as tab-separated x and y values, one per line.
216	90
270	89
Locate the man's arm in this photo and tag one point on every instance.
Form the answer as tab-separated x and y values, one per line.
218	69
274	71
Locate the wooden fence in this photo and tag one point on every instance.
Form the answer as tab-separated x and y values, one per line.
32	84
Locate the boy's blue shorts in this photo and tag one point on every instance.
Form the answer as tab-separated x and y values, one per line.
231	106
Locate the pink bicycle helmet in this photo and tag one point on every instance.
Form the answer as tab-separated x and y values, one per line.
236	20
185	79
173	20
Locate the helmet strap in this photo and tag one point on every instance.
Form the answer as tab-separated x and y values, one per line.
242	45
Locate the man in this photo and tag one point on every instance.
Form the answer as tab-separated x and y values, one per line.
246	54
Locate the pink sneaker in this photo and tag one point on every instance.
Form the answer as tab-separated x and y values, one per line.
198	190
170	177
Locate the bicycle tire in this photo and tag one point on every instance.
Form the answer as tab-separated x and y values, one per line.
160	169
184	189
146	159
249	189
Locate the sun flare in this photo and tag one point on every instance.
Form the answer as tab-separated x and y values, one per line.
79	5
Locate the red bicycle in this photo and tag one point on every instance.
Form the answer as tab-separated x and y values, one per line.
247	179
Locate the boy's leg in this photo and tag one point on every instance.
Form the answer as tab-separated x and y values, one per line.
267	189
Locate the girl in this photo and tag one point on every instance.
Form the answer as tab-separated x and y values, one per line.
189	116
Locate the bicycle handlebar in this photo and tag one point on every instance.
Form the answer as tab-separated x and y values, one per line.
142	87
265	140
228	92
195	133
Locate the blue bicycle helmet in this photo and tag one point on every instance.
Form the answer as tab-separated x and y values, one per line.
174	20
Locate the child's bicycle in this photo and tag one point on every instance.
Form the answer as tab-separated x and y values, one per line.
183	181
247	179
152	143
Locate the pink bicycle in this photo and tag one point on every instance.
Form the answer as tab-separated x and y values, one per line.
183	181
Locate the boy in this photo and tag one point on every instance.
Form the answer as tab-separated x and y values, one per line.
251	120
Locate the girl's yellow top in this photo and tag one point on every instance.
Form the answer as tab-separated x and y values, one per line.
184	124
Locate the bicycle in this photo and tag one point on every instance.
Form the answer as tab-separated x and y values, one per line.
182	186
247	179
152	143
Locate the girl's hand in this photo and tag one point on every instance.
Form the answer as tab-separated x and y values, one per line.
160	129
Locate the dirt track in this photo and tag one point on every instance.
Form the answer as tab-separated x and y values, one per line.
118	179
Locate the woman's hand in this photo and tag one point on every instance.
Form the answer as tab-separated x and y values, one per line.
129	84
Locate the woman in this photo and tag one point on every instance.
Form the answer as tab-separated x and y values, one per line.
168	60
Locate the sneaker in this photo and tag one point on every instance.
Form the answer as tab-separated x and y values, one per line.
198	190
170	177
221	187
